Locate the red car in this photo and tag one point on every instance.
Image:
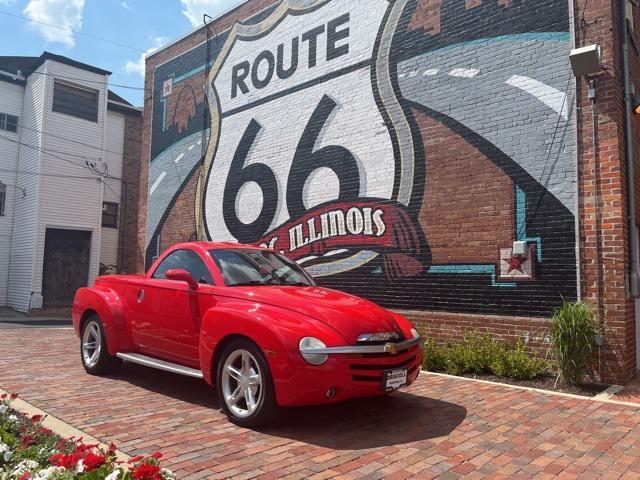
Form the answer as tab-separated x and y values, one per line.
252	323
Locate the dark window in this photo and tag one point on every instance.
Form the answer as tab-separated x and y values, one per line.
110	214
186	260
79	102
3	197
8	122
257	267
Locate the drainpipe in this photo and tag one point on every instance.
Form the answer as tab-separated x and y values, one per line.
628	107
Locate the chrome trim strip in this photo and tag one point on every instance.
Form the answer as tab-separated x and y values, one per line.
378	337
392	348
160	364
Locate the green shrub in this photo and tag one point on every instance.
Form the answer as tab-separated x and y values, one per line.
479	353
573	335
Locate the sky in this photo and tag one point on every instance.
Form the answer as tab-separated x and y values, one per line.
142	24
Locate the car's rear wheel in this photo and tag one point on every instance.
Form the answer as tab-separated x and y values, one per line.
245	385
93	348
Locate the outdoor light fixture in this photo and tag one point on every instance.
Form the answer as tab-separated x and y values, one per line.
586	60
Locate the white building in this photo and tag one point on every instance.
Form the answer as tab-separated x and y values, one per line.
64	139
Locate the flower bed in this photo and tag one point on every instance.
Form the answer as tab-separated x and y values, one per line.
29	451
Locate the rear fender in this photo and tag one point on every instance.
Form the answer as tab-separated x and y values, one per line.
109	306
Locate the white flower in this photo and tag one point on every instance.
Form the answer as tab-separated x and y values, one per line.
13	418
168	474
113	475
5	452
3	409
24	466
80	466
48	472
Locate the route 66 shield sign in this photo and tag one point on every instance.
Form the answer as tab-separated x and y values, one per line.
305	128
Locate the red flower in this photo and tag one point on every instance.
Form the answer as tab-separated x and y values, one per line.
135	459
25	476
112	448
13	396
62	460
93	461
146	471
37	418
3	396
156	455
27	440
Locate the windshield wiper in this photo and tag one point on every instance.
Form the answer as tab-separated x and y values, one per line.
251	283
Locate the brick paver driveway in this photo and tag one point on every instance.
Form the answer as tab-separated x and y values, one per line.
440	427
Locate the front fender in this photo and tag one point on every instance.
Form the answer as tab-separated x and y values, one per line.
109	306
275	330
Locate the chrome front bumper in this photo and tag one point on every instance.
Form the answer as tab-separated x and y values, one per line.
389	347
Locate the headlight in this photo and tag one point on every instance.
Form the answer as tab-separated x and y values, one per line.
415	333
308	343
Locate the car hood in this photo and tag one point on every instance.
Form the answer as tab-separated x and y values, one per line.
349	315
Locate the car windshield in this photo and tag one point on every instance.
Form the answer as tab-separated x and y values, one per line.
241	267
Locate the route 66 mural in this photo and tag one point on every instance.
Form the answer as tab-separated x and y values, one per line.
395	148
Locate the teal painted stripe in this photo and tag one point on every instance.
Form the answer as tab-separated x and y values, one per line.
191	73
517	37
471	269
521	222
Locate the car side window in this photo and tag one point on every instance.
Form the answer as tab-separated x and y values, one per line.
186	260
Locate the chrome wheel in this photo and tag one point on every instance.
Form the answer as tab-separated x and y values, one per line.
242	383
91	344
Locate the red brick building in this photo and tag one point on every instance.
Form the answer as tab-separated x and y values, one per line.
436	156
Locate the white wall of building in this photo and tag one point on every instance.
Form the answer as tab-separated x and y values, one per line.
21	260
11	96
66	202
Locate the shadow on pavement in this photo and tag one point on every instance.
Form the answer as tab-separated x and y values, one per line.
399	418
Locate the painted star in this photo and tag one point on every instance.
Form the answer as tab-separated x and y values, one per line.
515	263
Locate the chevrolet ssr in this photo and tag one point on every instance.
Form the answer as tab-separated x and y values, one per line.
250	322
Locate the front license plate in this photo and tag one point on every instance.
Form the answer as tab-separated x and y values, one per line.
394	379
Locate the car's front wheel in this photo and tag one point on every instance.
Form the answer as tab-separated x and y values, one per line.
245	386
93	349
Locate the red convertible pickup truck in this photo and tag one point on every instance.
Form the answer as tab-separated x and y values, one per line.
250	322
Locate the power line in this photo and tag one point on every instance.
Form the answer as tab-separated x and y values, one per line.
95	37
42	150
41	174
99	82
71	140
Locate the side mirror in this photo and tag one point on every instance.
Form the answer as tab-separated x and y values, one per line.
180	275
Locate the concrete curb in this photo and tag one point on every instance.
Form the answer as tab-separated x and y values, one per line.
604	397
58	426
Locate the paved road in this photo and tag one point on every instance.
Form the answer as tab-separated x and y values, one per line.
440	427
509	90
167	174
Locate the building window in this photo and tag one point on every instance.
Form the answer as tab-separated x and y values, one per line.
3	197
110	214
76	101
8	122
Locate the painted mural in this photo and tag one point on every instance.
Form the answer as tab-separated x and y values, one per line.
394	148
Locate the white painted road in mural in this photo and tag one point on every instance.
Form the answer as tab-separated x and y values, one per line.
167	174
512	103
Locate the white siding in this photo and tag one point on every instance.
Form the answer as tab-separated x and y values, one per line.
112	191
73	203
11	96
26	207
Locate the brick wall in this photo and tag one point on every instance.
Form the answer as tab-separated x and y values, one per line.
446	131
131	250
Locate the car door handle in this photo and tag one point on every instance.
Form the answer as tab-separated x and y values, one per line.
140	295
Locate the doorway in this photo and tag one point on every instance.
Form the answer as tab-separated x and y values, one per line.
66	265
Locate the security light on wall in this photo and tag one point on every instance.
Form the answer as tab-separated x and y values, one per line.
586	60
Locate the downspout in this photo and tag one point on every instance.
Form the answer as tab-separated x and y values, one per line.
628	107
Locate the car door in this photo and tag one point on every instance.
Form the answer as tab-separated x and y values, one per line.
170	312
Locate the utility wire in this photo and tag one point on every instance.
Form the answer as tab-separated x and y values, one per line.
43	151
89	35
71	140
41	174
99	82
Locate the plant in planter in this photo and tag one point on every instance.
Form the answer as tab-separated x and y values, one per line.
573	335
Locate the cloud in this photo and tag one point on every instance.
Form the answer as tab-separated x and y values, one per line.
7	2
63	13
195	9
138	65
124	5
